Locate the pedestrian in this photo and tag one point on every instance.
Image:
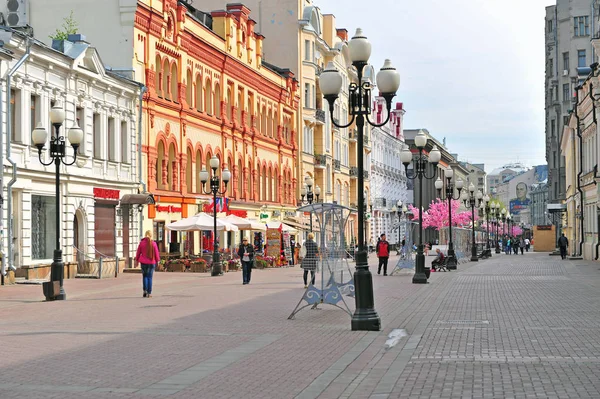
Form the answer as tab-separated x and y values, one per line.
527	244
383	253
147	256
246	254
515	242
309	254
563	243
402	250
438	262
297	253
522	245
507	248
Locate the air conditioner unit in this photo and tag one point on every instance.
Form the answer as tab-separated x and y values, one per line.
15	12
566	72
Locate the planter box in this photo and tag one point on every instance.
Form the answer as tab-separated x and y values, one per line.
176	267
197	267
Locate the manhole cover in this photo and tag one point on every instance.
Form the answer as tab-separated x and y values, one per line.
463	322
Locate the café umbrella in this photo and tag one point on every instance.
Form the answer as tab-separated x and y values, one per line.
200	222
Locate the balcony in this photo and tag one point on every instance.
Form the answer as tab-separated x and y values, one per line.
353	172
336	121
320	116
352	135
337	164
366	141
320	161
366	174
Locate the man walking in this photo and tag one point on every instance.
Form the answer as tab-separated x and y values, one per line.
383	253
246	254
563	243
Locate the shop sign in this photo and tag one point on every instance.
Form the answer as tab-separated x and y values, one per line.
238	212
168	208
544	227
290	214
106	193
264	215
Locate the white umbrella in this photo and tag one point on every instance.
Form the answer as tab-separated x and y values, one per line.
276	225
200	222
244	224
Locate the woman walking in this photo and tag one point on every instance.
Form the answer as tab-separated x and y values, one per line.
147	255
309	261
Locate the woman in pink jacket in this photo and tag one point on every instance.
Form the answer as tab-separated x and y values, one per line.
147	255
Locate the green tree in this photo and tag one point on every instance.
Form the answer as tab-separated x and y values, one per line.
69	27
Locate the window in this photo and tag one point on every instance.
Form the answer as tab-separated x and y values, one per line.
582	26
550	66
112	141
307	95
97	138
549	25
15	115
34	105
43	235
566	61
566	90
581	58
565	120
313	58
552	128
125	150
307	50
314	97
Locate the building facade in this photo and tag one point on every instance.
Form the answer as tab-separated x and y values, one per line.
568	29
209	93
388	178
105	106
477	175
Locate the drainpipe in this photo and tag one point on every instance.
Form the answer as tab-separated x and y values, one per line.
581	199
13	164
143	90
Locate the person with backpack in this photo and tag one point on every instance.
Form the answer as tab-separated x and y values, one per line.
383	253
147	256
246	254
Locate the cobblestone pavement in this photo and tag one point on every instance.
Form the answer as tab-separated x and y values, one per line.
507	327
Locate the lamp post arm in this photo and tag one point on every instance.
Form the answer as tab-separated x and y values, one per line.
387	119
340	125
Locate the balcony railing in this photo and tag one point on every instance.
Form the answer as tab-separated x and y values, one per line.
320	115
353	172
366	174
366	140
337	164
320	161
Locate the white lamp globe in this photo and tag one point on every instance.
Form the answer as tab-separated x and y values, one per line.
459	184
214	162
39	135
57	115
421	140
203	175
388	79
471	188
406	155
226	175
75	135
330	80
435	155
448	173
359	46
439	184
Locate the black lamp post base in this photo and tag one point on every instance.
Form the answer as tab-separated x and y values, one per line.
474	258
365	318
216	267
451	263
53	289
419	278
369	321
497	250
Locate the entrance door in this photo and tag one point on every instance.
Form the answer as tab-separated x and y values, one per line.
78	254
104	229
126	220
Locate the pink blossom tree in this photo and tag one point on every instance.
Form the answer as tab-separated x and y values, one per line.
437	215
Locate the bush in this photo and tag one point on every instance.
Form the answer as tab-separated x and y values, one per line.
260	264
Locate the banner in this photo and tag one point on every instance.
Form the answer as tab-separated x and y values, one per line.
222	205
273	243
516	205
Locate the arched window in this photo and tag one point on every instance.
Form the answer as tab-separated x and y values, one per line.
198	169
217	104
189	173
276	185
249	182
263	121
165	79
208	97
174	83
159	165
230	184
158	76
189	89
270	124
240	107
172	169
275	124
199	93
228	104
240	179
264	184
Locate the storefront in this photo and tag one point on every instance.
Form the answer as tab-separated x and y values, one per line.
105	221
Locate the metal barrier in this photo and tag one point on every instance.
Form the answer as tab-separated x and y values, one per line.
90	266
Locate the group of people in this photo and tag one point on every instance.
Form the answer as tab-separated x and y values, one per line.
514	244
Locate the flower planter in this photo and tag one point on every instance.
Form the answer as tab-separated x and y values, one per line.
176	267
198	267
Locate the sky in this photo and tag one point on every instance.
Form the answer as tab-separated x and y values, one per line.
471	71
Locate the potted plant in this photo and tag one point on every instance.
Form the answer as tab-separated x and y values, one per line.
198	266
234	264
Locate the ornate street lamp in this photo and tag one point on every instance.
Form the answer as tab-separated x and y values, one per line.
449	196
307	191
399	209
57	156
473	200
215	183
420	172
487	208
388	80
503	217
497	218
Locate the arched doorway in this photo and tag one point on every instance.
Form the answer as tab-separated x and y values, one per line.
77	247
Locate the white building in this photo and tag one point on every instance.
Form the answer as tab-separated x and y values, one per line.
388	179
106	168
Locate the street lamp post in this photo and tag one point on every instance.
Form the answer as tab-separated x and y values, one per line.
420	172
497	217
503	217
449	196
330	82
308	192
215	184
399	209
487	205
473	200
57	156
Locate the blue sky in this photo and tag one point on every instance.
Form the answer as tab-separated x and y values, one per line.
471	71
